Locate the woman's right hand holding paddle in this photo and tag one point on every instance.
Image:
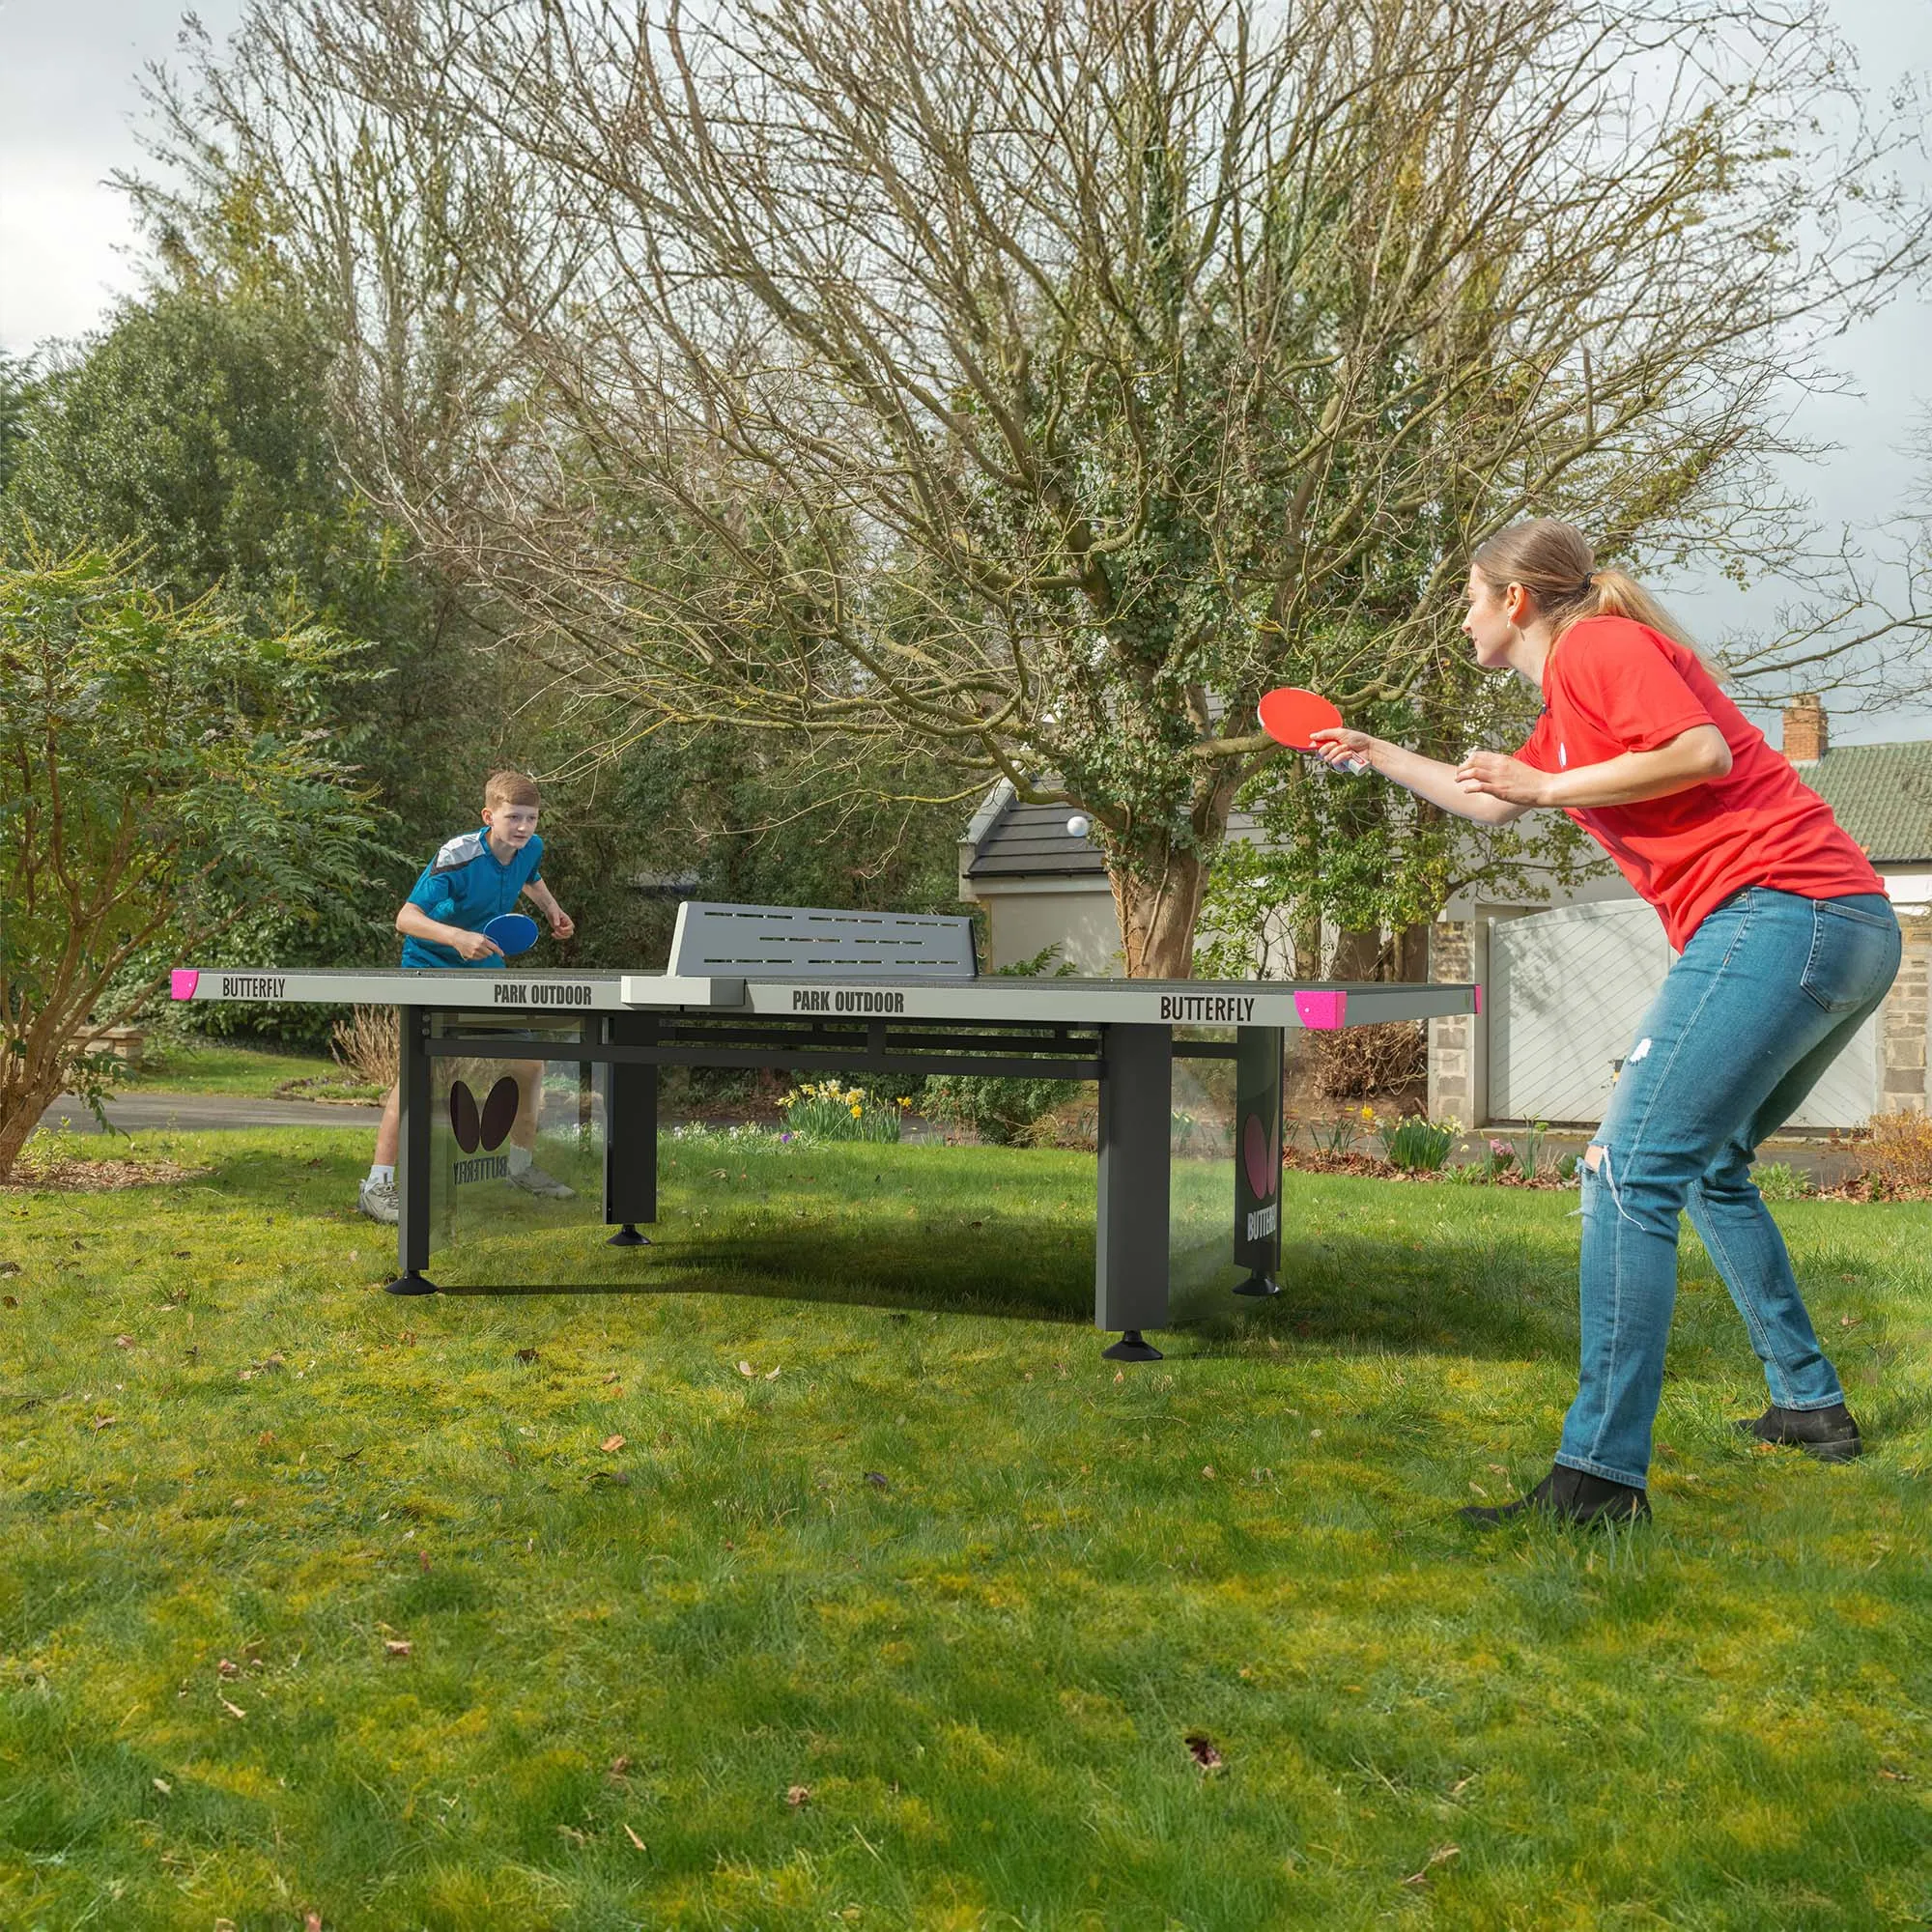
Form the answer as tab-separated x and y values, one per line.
1342	750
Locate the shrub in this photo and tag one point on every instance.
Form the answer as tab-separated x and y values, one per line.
1897	1160
367	1043
1420	1146
826	1111
1779	1181
1381	1059
997	1110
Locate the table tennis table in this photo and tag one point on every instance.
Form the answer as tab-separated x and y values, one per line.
811	990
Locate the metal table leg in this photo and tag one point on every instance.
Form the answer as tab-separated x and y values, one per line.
1131	1250
1257	1131
631	1135
412	1177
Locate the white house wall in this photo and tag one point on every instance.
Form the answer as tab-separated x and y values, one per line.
1023	920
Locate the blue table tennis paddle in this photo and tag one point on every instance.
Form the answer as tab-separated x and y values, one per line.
514	932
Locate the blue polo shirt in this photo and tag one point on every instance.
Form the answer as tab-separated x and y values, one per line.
466	885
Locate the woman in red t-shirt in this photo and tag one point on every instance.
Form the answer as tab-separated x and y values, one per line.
1786	943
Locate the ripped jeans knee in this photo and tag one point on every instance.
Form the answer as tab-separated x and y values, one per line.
1607	1189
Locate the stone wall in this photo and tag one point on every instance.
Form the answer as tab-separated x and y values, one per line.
1902	1057
1459	1046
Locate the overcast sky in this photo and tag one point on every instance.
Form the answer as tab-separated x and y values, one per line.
68	98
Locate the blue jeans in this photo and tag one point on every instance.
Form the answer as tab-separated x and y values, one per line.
1767	993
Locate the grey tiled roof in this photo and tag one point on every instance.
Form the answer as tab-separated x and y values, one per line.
1882	797
1031	841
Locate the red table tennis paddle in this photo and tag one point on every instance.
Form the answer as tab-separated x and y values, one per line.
1291	716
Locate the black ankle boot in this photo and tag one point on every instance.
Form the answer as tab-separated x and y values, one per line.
1571	1495
1828	1434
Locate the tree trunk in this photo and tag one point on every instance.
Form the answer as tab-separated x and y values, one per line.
1358	952
1158	917
22	1101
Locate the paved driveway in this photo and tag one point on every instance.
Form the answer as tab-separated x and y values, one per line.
138	1112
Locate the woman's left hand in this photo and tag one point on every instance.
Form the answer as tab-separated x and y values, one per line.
1495	776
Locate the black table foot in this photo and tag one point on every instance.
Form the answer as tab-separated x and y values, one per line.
1134	1347
627	1236
1259	1285
412	1282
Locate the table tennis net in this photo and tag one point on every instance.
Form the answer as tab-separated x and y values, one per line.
791	942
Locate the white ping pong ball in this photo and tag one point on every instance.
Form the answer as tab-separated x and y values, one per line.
1079	825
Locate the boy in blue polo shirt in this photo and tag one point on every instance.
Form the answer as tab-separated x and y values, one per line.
475	876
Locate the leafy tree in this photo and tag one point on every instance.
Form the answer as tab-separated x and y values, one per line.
16	389
198	430
1042	385
163	774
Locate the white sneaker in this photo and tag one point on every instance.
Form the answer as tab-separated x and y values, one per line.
378	1199
545	1187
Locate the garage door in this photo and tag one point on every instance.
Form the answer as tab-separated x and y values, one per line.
1568	990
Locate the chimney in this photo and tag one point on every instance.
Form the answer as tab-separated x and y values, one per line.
1804	729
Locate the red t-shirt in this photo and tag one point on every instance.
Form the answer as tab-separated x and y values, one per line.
1613	686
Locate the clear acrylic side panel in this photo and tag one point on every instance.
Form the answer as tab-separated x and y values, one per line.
516	1157
1201	1184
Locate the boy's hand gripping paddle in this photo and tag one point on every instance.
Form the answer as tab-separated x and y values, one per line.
514	932
1291	716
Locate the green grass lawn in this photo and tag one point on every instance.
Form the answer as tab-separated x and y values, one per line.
915	1632
252	1071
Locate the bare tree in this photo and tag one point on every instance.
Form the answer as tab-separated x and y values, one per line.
1039	386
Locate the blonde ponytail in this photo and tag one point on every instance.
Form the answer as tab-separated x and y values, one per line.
1553	561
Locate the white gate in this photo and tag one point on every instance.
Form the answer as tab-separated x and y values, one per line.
1567	993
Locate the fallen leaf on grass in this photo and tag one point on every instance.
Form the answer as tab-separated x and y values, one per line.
1896	1776
524	1355
612	1444
233	1709
9	1301
267	1437
124	1340
1850	1320
772	1375
422	1561
10	1267
633	1838
161	1785
877	1481
311	1922
797	1795
619	1478
619	1766
397	1646
1207	1471
105	1421
1435	1859
228	1667
745	1370
1201	1749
